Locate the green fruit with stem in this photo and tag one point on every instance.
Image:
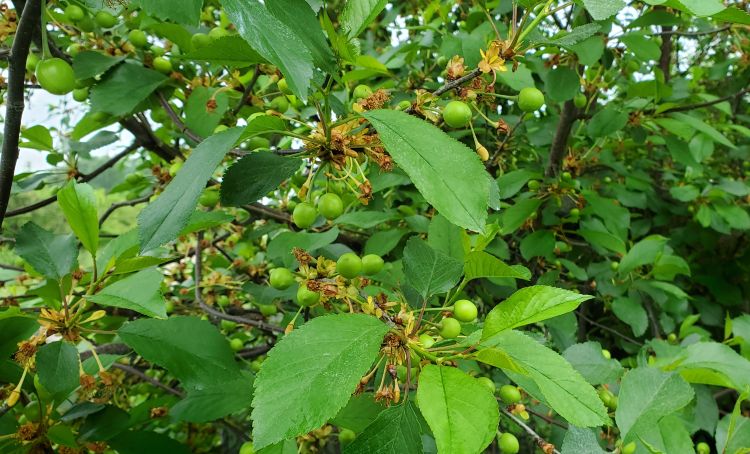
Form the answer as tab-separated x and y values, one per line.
284	87
218	32
450	328
247	448
200	40
268	310
280	104
209	198
487	383
56	76
614	265
162	65
105	20
281	278
223	301
361	92
304	215
157	50
81	94
426	340
330	206
256	142
465	311
31	61
228	325
533	185
74	12
236	344
508	443
574	212
566	176
346	436
630	448
86	24
372	264
457	114
606	353
510	394
349	265
703	448
307	298
530	99
138	38
579	100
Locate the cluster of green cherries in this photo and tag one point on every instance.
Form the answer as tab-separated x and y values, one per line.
457	114
330	206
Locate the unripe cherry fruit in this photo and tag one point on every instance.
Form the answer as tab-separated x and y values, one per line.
105	20
426	340
56	76
487	383
349	265
630	448
330	205
508	443
457	114
284	87
304	215
74	13
465	311
247	448
579	100
138	38
372	264
361	91
530	99
307	298
162	65
450	328
510	394
703	448
200	40
281	278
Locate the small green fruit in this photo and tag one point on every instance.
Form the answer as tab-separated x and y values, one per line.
614	265
361	91
533	185
508	443
426	340
457	114
580	101
281	278
209	198
606	353
31	61
256	142
703	448
74	12
247	448
162	65
268	310
304	215
105	20
200	40
450	328
280	104
630	448
510	394
487	383
574	212
465	311
372	264
284	87
138	38
330	206
346	436
223	300
81	94
228	325
349	265
218	32
306	298
530	99
56	76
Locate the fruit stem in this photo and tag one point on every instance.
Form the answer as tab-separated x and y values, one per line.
43	25
542	14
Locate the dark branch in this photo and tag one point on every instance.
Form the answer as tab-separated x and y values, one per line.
247	91
451	85
560	141
142	376
128	203
15	102
701	104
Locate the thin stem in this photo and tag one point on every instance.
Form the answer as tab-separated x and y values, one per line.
542	14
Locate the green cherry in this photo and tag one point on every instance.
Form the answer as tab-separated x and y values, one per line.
510	394
450	328
465	311
372	264
457	114
304	215
281	278
508	443
349	265
330	205
530	99
307	298
56	76
487	383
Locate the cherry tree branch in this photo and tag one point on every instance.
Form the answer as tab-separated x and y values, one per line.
15	103
541	442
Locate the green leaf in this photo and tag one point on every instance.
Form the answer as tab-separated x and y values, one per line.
359	412
358	14
603	240
253	176
88	64
607	121
587	358
642	46
562	84
733	431
428	271
384	241
118	95
564	389
57	365
163	219
38	138
310	374
53	256
202	220
713	363
461	412
667	436
538	244
703	127
299	16
514	216
579	440
198	117
530	305
603	9
365	219
642	253
631	312
78	204
481	264
273	40
447	173
215	401
576	35
186	12
647	395
734	215
510	183
140	292
397	430
193	350
146	442
15	326
231	51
